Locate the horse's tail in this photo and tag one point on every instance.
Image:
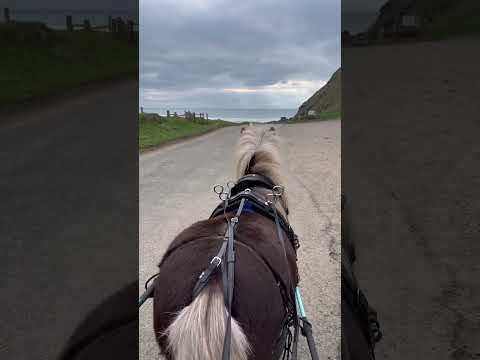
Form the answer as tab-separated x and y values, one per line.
198	331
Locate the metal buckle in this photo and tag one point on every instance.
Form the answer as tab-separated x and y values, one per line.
277	190
296	241
216	261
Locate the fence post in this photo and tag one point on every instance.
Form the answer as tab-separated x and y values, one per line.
69	23
86	24
113	25
110	23
6	13
130	36
120	25
207	115
168	113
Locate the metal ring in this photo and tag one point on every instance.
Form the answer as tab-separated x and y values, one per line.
223	196
277	190
218	186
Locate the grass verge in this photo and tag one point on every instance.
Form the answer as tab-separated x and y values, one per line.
37	62
327	115
155	130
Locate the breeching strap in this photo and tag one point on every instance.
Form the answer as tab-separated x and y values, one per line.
230	281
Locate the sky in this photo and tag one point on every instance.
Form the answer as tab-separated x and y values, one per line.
236	54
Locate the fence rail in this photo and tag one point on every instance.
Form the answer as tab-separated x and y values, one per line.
189	115
117	25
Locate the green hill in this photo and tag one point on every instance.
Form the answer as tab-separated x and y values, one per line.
459	17
326	103
434	18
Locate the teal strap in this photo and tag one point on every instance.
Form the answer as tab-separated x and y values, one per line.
298	297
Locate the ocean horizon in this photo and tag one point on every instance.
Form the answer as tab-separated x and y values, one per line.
234	115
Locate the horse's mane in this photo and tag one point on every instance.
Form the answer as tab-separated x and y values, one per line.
258	152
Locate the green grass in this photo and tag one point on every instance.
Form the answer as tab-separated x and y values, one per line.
330	115
38	62
326	115
156	130
460	18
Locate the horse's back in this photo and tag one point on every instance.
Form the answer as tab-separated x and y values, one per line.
257	302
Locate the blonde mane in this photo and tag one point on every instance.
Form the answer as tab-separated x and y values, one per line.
257	152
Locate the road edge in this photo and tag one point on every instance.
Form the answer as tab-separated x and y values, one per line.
41	103
184	139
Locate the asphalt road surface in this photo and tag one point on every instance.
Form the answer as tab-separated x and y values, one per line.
410	166
68	223
176	190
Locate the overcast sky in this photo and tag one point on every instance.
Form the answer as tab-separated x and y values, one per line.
236	54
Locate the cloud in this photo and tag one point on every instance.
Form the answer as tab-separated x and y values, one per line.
248	53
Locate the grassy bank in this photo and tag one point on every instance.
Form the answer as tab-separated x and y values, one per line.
332	115
156	130
38	62
327	115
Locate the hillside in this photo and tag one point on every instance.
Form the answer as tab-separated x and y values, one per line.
37	62
461	17
437	18
324	102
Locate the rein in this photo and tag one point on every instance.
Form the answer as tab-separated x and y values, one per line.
240	197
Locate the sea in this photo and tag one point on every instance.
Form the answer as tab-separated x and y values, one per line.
234	115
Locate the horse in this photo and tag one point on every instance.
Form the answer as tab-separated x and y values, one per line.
191	325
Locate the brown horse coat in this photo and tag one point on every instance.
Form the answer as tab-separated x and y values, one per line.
257	302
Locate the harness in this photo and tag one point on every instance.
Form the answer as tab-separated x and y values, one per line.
357	300
354	296
243	190
241	198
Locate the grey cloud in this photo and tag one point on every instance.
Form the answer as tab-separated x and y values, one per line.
237	44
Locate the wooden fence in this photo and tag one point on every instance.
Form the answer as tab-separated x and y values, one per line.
189	115
116	25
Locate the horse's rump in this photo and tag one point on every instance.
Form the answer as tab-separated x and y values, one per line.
258	305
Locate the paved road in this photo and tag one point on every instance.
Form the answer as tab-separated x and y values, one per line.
176	190
410	165
68	186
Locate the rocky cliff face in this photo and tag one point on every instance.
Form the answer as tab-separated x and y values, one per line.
325	100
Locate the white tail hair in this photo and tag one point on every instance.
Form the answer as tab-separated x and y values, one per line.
198	331
258	152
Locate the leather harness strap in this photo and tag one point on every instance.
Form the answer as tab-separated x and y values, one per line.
357	300
259	205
